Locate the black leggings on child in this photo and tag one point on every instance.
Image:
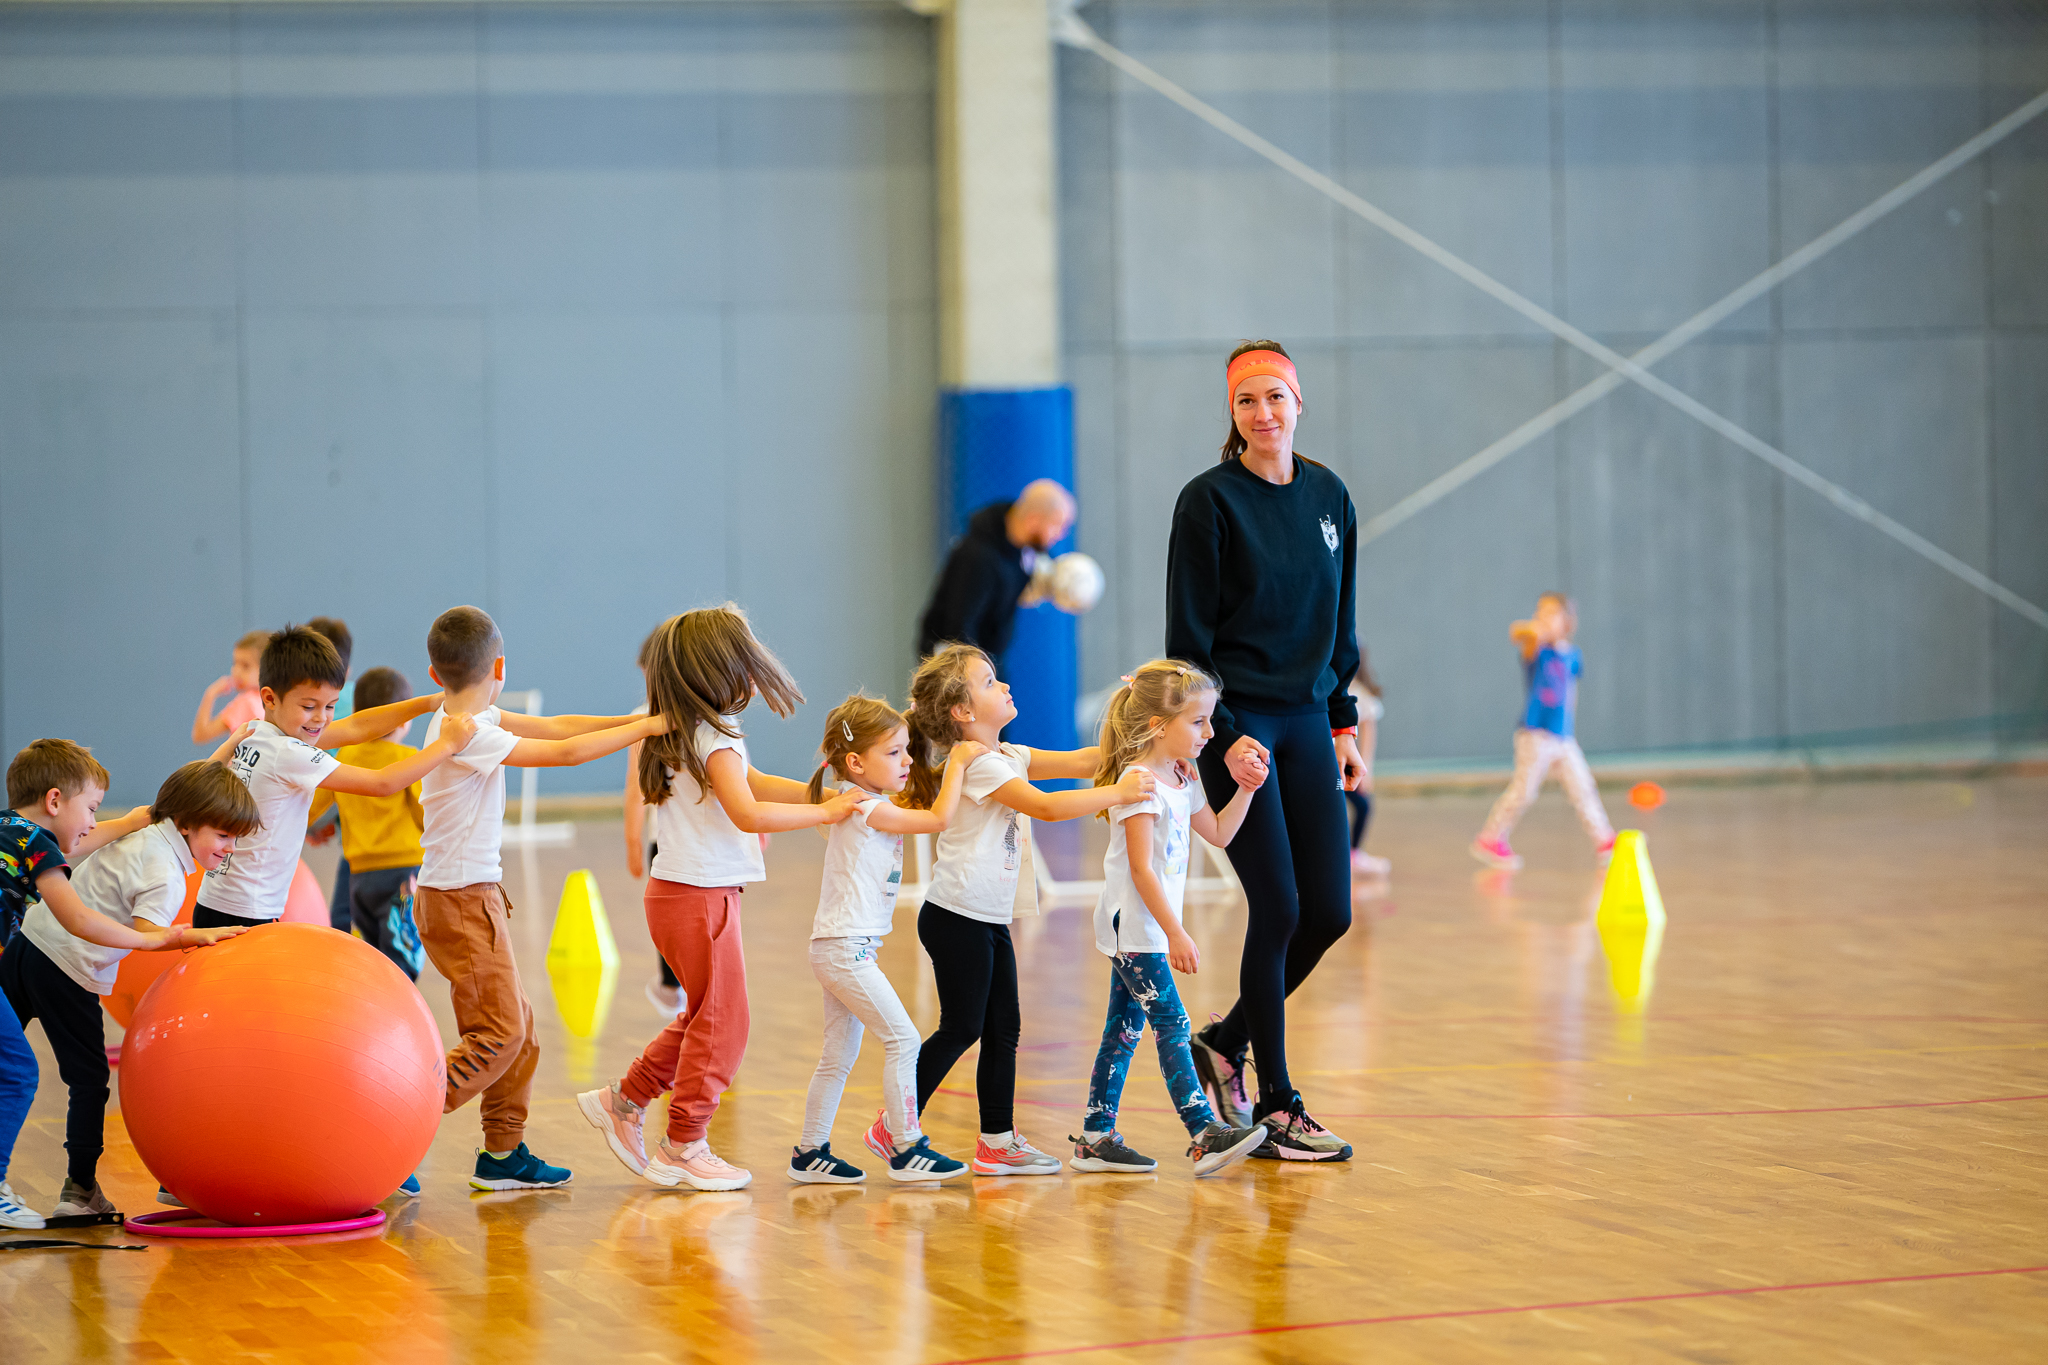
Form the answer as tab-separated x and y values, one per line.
975	968
37	988
1361	811
1291	856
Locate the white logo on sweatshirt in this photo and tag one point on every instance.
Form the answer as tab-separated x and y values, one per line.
1330	534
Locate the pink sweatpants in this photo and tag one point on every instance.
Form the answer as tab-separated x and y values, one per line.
1535	752
696	929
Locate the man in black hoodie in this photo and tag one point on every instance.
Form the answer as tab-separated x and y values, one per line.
975	599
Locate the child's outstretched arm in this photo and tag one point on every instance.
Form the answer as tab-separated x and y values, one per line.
82	921
456	732
1047	764
560	727
567	753
1026	799
377	722
106	831
1220	827
732	787
1526	637
226	750
780	790
1181	951
894	819
205	725
636	814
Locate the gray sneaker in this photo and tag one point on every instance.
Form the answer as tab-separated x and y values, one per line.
1295	1136
1218	1146
1222	1078
1108	1153
78	1207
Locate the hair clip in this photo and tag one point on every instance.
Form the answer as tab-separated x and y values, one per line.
1127	679
846	727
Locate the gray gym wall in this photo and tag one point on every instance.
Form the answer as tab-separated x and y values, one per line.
1623	165
583	314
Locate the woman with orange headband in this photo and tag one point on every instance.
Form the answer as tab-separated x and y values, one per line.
1259	594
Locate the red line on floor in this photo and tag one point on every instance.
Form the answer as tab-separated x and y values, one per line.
1645	1114
1443	1314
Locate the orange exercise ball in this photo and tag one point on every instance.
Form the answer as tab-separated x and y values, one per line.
291	1075
139	971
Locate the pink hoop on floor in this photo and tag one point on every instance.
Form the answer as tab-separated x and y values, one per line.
160	1224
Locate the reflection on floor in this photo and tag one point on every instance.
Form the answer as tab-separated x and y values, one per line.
1810	1128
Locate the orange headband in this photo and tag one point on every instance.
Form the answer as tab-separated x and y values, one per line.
1260	362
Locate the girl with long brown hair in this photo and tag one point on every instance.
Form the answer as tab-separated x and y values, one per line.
703	670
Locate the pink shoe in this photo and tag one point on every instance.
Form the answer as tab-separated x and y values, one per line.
878	1139
697	1166
1016	1157
1365	865
1605	852
620	1120
1496	853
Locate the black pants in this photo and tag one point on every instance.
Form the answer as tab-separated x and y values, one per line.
1361	811
975	967
37	988
1291	856
205	918
373	898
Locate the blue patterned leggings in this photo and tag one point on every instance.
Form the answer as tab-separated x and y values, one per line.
1140	988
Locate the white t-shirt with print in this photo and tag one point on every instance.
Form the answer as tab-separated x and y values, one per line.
281	773
463	802
1136	931
981	854
863	872
696	842
138	876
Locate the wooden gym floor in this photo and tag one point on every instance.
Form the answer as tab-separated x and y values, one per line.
1821	1138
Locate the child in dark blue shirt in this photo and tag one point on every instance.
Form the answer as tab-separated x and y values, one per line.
1550	668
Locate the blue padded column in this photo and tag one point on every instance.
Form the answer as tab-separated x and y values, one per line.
991	443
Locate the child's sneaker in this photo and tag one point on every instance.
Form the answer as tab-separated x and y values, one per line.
408	1188
878	1139
79	1207
696	1165
164	1196
1222	1078
819	1167
1218	1146
1293	1136
14	1213
1496	853
918	1162
1107	1153
1604	851
520	1171
1015	1157
620	1120
1367	865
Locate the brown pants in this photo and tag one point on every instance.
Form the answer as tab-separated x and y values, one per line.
696	929
468	934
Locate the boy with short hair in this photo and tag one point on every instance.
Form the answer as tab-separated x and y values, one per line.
52	975
282	764
464	914
245	705
344	641
54	789
380	835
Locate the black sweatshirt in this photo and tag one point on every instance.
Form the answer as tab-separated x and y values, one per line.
975	599
1260	591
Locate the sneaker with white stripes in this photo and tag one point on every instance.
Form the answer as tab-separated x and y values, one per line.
14	1213
818	1166
919	1162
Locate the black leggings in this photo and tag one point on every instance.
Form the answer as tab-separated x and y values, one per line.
38	988
1294	862
1361	811
975	968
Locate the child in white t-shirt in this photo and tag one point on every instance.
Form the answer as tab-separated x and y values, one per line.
979	877
703	670
464	916
867	745
1158	721
280	758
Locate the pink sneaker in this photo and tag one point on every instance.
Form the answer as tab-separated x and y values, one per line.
1605	851
620	1120
1496	853
878	1139
1366	865
696	1165
1016	1157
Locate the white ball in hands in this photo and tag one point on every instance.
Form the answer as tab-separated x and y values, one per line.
1076	583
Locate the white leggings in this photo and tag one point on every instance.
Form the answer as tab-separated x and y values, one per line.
1535	751
857	995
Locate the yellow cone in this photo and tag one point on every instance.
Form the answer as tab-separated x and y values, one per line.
1631	922
582	935
1630	891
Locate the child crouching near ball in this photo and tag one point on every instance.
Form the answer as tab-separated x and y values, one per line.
710	805
54	788
867	746
1158	721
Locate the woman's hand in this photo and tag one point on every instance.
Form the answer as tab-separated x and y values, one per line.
1352	773
1249	762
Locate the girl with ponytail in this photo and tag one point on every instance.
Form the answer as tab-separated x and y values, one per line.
1158	722
867	747
703	670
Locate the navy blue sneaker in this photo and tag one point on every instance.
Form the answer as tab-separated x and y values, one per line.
918	1162
819	1167
520	1171
409	1188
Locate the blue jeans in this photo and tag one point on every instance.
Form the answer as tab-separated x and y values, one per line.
18	1076
1141	988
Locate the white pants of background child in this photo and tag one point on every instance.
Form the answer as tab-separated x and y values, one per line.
1535	752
